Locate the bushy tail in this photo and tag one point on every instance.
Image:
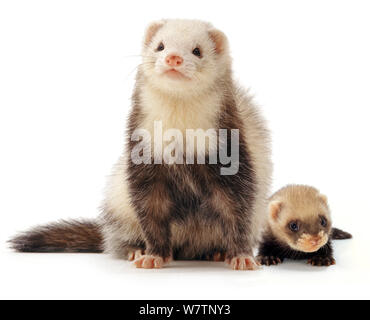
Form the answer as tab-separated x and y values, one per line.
64	236
338	234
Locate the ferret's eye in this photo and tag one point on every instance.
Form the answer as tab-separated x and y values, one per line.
160	47
293	226
197	52
323	222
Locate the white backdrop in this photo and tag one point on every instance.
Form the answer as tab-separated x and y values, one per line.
66	73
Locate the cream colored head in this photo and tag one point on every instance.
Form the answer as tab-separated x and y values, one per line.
300	216
184	57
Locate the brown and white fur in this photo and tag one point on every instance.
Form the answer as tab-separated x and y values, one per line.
299	227
153	213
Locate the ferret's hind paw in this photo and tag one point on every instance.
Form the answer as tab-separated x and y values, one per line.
150	262
321	261
216	257
269	260
243	262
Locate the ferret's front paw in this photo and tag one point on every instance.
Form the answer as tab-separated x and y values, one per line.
150	262
269	260
321	261
243	262
135	254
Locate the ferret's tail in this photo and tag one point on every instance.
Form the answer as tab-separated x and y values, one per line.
64	236
338	234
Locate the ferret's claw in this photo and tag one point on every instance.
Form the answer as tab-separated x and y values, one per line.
321	261
134	255
150	262
269	260
243	262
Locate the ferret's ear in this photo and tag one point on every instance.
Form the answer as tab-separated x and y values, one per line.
219	39
151	31
323	198
275	209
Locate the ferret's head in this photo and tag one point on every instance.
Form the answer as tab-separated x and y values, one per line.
184	56
300	217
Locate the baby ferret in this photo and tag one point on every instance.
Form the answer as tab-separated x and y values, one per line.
299	227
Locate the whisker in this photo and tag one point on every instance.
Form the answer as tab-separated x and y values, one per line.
138	56
138	66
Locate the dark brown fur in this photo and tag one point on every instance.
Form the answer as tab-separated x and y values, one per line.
64	236
337	234
161	196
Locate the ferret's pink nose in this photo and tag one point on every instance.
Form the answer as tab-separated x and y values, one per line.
174	61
